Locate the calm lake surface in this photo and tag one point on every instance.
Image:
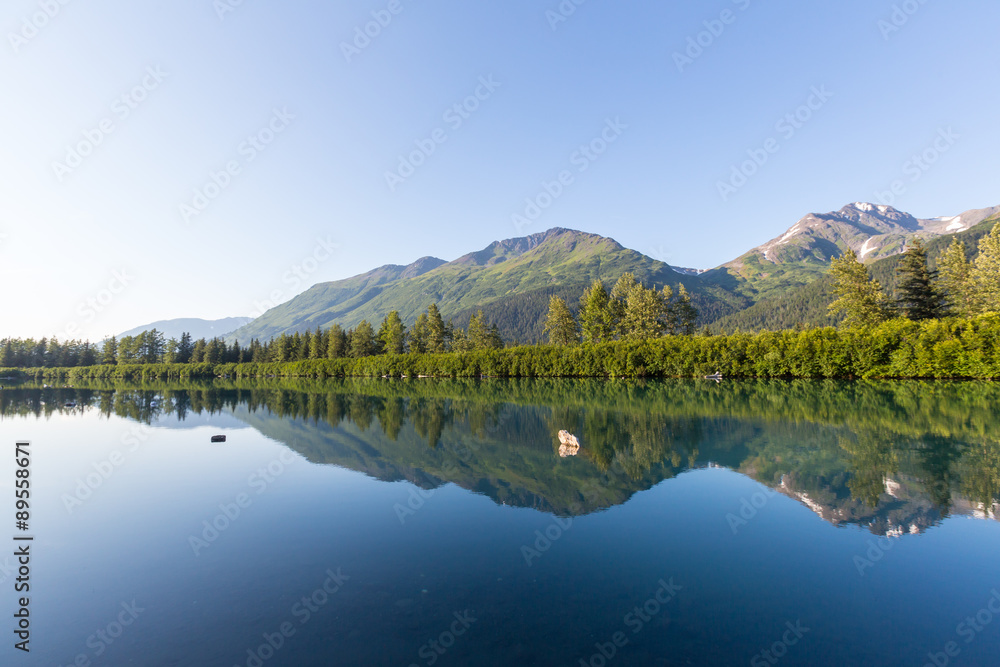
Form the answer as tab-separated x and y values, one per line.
430	522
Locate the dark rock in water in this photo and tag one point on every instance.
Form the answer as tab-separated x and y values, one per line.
218	438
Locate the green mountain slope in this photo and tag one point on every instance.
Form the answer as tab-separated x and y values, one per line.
510	280
806	305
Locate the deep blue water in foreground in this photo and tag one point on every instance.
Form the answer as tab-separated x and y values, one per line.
692	528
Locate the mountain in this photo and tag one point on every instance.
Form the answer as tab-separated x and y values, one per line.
806	304
196	327
803	253
510	280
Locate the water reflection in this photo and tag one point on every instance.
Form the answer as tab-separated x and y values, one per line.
895	457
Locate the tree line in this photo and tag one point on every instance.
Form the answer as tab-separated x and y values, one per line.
957	288
429	334
629	312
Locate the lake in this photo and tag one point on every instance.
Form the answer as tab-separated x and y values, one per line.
447	522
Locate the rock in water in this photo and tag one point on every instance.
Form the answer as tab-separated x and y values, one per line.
568	444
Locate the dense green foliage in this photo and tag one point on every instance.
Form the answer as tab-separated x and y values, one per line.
898	348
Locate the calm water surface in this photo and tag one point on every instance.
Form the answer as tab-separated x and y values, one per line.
436	523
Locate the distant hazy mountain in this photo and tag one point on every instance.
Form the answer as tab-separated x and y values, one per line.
196	327
511	280
803	253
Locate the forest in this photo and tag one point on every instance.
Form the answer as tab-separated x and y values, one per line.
939	323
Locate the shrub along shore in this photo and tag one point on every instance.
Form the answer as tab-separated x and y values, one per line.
952	348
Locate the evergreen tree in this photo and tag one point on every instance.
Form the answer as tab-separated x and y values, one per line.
955	279
170	351
88	356
645	312
363	340
336	346
859	296
109	352
436	333
184	348
477	332
619	297
918	295
316	348
419	334
684	313
392	334
198	351
7	356
596	319
560	325
986	273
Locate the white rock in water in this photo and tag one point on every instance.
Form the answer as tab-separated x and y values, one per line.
568	444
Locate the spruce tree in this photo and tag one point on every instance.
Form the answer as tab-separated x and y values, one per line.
859	296
645	312
918	296
477	333
363	340
560	325
955	279
392	334
418	335
596	319
986	274
336	346
684	313
437	340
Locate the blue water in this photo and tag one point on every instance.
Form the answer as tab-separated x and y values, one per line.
365	567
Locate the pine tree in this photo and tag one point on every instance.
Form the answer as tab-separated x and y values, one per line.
7	357
684	314
859	296
955	279
477	332
596	319
109	352
418	335
363	340
560	325
986	274
316	348
392	334
184	348
436	334
645	312
918	295
336	346
619	297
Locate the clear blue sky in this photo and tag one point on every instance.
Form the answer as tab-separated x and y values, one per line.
66	228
